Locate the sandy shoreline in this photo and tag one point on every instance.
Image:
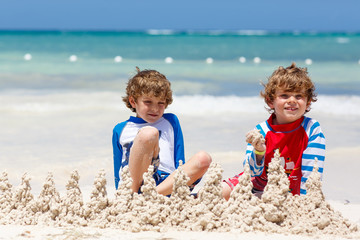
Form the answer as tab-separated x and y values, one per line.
47	232
277	214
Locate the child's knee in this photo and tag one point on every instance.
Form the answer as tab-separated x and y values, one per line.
226	190
148	134
203	159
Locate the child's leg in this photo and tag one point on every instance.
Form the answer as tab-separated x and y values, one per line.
144	149
228	185
226	190
195	168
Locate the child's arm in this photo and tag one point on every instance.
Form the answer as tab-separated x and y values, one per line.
314	149
117	152
179	152
255	151
258	142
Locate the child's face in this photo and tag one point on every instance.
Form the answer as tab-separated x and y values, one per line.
149	107
288	106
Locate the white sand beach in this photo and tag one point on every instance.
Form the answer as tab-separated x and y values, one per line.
42	134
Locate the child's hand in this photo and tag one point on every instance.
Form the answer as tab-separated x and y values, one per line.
256	140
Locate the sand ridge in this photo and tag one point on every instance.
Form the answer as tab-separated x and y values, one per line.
277	211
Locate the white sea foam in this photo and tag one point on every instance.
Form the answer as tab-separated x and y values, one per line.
199	104
338	105
160	31
342	40
189	105
253	32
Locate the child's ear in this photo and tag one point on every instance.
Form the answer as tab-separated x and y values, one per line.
308	106
132	102
270	103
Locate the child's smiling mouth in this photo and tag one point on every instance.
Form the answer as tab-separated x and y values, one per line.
291	109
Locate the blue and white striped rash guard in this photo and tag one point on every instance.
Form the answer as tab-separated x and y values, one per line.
171	142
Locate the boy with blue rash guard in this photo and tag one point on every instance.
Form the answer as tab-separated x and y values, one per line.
288	94
153	137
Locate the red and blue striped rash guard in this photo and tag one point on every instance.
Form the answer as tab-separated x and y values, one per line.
299	143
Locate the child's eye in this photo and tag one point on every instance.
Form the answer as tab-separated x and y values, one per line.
284	96
299	97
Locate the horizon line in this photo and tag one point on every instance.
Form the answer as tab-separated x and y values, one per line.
153	31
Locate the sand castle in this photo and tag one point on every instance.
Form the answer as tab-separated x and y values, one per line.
277	211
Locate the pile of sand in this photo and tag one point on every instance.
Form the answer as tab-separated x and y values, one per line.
277	211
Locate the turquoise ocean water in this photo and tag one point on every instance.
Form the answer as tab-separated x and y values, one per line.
335	59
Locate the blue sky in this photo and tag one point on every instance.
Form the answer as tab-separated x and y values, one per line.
273	15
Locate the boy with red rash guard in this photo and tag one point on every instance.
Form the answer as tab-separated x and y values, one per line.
288	94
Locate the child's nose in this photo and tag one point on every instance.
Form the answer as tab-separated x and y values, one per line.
154	107
292	99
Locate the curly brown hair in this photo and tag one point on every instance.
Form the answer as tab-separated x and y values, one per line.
290	79
148	82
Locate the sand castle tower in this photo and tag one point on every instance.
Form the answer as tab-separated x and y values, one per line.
72	211
98	201
48	202
6	204
210	205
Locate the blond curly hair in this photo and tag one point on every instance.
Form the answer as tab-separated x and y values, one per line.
150	83
290	79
